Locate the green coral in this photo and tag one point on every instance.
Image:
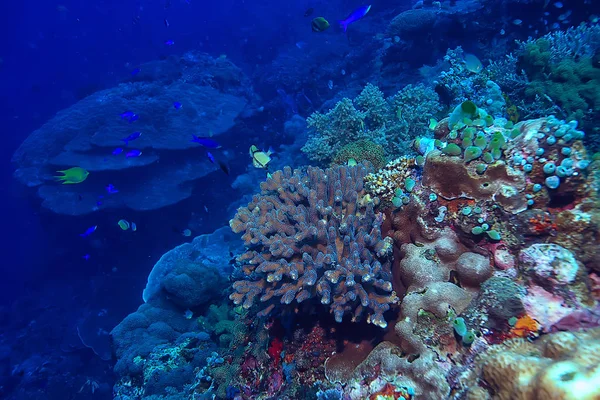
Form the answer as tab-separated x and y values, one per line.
361	150
393	123
561	68
340	126
225	323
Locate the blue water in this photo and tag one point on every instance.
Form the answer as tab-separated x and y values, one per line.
56	53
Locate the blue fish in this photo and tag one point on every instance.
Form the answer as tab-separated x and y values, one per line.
135	117
86	257
89	231
127	114
117	151
111	189
131	137
354	16
133	153
206	142
210	157
135	71
170	42
177	105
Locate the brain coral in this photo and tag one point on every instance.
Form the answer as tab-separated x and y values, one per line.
312	234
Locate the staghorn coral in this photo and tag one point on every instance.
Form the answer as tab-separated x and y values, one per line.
361	150
315	234
560	366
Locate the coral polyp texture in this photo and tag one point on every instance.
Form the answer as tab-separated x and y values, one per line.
315	234
563	366
393	122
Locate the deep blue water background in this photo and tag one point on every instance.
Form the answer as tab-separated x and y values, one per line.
53	54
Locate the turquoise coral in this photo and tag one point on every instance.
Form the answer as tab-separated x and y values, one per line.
392	123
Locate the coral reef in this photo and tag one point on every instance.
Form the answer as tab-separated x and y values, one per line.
559	366
193	273
560	67
315	234
86	134
392	123
359	151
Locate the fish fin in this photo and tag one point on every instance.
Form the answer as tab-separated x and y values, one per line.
270	151
344	25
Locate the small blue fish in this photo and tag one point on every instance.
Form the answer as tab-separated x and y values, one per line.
89	231
133	153
558	4
170	42
177	105
210	157
131	137
117	151
86	257
127	114
135	117
111	189
354	16
135	71
206	142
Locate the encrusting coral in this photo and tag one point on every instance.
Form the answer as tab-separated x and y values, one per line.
560	366
361	150
315	234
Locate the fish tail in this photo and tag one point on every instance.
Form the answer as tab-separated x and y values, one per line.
344	24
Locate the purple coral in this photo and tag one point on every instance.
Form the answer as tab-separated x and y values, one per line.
315	234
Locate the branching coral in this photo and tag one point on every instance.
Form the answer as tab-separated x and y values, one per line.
392	123
563	66
315	234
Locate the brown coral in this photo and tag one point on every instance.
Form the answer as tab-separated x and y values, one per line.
451	178
361	150
560	366
315	234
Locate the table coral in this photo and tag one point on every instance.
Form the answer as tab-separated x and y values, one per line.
315	234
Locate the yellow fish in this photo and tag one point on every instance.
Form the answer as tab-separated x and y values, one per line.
319	24
72	175
260	159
